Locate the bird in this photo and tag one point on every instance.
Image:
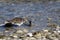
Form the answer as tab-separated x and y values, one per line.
19	21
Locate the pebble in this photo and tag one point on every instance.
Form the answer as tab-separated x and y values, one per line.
6	31
19	39
55	39
45	30
54	31
58	31
14	35
25	30
0	39
19	31
29	38
43	38
32	38
37	35
29	34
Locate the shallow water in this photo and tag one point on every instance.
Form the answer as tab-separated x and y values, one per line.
36	12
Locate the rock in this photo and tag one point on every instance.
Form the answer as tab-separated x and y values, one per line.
45	30
25	30
1	39
19	32
14	35
32	38
19	39
43	38
37	34
29	34
29	38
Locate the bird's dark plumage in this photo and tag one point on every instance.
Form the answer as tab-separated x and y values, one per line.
8	25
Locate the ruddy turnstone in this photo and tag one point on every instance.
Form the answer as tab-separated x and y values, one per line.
19	21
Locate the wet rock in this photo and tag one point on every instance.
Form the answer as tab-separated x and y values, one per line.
43	38
1	39
19	31
46	30
19	39
37	34
25	30
29	38
29	34
14	35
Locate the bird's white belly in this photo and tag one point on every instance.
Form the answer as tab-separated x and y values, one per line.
19	24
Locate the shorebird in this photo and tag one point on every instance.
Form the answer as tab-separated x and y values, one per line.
19	21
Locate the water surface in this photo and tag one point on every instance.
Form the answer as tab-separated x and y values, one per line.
36	12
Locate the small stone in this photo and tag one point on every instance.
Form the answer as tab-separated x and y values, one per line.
45	30
58	27
54	31
29	34
14	35
20	31
6	31
25	30
58	31
1	39
37	35
22	36
56	39
32	38
19	39
43	38
29	38
9	38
